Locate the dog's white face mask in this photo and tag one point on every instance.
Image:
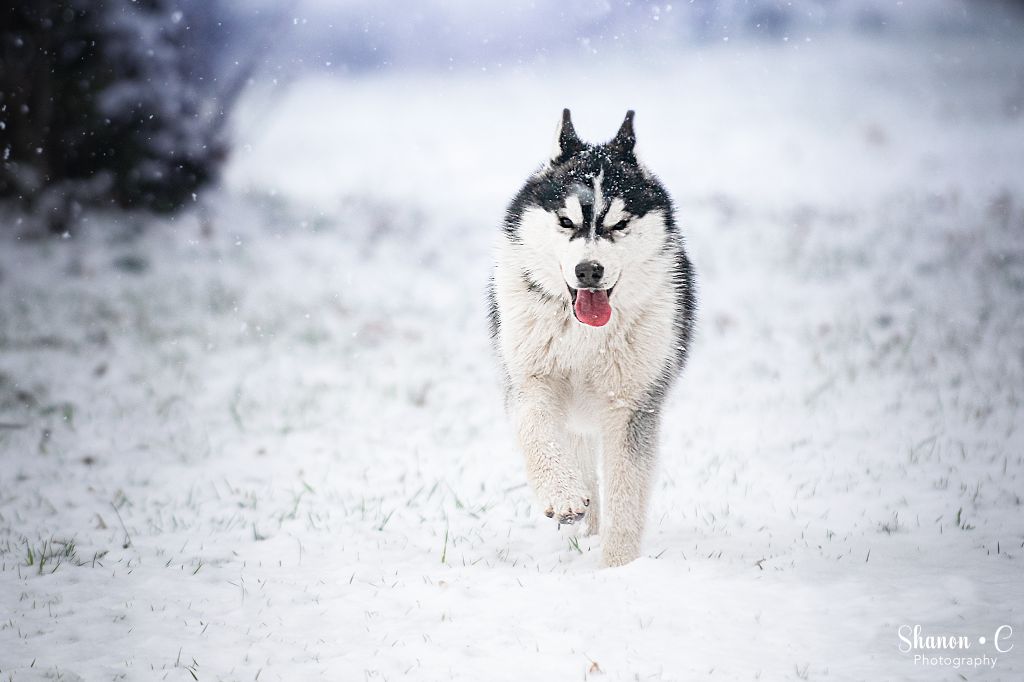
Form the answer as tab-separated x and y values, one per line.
593	219
583	249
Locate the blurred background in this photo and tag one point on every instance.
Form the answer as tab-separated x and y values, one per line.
250	422
135	104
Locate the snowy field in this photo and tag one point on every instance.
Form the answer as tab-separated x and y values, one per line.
266	441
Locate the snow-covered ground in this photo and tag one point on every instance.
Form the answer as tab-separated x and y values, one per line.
275	448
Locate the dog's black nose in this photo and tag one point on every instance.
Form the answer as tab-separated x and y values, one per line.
589	273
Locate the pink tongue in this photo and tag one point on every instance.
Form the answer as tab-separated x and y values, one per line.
592	307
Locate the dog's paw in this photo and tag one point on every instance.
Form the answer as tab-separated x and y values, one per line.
619	550
568	509
615	558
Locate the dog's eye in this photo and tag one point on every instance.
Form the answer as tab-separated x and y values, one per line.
566	223
621	225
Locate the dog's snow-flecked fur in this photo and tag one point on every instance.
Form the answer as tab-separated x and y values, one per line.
577	391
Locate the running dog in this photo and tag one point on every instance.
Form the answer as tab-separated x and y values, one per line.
591	310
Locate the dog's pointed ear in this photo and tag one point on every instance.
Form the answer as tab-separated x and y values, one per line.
567	142
624	140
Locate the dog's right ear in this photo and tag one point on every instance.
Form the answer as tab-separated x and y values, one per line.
567	142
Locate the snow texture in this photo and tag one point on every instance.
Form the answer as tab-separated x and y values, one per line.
277	450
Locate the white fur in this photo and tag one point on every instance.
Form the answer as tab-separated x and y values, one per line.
616	212
573	209
598	203
573	389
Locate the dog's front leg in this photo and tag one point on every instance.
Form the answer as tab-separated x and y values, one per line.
540	405
631	439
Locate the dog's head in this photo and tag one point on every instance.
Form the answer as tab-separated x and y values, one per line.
588	220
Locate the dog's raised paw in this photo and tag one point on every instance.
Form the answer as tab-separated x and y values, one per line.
567	512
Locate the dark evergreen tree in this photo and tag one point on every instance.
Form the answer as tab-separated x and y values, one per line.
97	107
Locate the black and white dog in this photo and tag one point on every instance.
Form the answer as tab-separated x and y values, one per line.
591	310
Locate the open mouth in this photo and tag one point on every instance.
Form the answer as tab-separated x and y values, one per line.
591	306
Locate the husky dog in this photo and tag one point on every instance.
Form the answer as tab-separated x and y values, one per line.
591	309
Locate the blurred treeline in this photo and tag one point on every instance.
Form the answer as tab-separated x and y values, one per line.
110	103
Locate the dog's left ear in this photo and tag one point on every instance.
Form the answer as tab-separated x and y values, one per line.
625	139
